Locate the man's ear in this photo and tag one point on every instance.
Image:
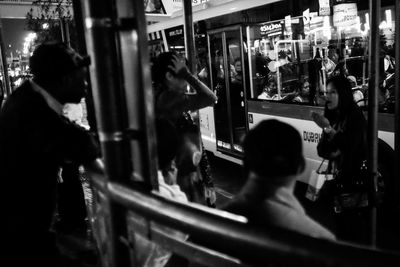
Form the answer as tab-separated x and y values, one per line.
302	166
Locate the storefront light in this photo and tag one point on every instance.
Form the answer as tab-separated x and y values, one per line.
388	14
367	22
327	27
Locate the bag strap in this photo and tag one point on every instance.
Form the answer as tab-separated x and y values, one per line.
320	165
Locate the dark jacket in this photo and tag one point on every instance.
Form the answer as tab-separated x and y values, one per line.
34	142
350	140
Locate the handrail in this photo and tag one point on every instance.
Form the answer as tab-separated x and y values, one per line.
230	234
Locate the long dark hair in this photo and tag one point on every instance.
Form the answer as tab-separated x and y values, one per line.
346	101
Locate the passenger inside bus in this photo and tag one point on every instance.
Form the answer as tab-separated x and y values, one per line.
303	96
270	90
273	158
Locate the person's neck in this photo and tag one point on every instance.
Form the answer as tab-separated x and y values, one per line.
258	187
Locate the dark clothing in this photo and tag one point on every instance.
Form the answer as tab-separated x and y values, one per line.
350	141
71	206
34	142
195	181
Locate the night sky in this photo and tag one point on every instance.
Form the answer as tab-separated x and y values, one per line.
14	33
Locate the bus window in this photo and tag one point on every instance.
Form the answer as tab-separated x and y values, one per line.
279	65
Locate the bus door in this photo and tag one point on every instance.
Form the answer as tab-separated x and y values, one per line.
229	81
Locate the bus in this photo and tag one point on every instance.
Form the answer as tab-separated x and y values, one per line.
294	45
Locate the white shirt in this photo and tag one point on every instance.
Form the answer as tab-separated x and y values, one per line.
286	211
170	191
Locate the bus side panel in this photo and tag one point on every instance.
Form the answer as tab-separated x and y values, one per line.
207	128
310	133
299	117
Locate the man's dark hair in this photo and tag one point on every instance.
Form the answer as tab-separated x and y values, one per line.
273	149
161	66
52	60
167	142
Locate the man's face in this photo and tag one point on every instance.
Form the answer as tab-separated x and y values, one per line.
74	86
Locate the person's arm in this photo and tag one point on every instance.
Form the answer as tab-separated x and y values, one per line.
204	97
325	148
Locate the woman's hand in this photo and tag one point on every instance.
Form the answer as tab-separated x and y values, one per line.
179	66
320	120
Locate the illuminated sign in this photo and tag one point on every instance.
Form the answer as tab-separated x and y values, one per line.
272	29
345	15
174	5
324	8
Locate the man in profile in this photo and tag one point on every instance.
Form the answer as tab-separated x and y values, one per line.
35	140
273	159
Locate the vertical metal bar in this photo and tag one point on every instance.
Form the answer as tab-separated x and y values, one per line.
190	47
373	87
66	29
62	30
227	86
164	39
138	89
3	58
252	90
189	35
81	48
110	107
397	104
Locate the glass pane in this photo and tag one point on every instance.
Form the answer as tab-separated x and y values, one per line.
219	88
236	87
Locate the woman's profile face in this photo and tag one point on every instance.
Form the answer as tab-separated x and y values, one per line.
332	97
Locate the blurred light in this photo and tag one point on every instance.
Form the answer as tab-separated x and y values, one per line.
327	28
18	82
383	25
29	39
388	14
45	26
367	22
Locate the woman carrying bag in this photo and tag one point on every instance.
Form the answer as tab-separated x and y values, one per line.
344	144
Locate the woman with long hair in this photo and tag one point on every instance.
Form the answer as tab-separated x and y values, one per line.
344	144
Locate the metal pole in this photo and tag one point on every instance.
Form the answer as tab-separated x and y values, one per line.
67	37
190	46
397	105
189	35
373	87
3	58
110	106
61	20
81	48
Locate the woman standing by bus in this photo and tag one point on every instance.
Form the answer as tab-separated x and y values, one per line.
343	143
173	102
